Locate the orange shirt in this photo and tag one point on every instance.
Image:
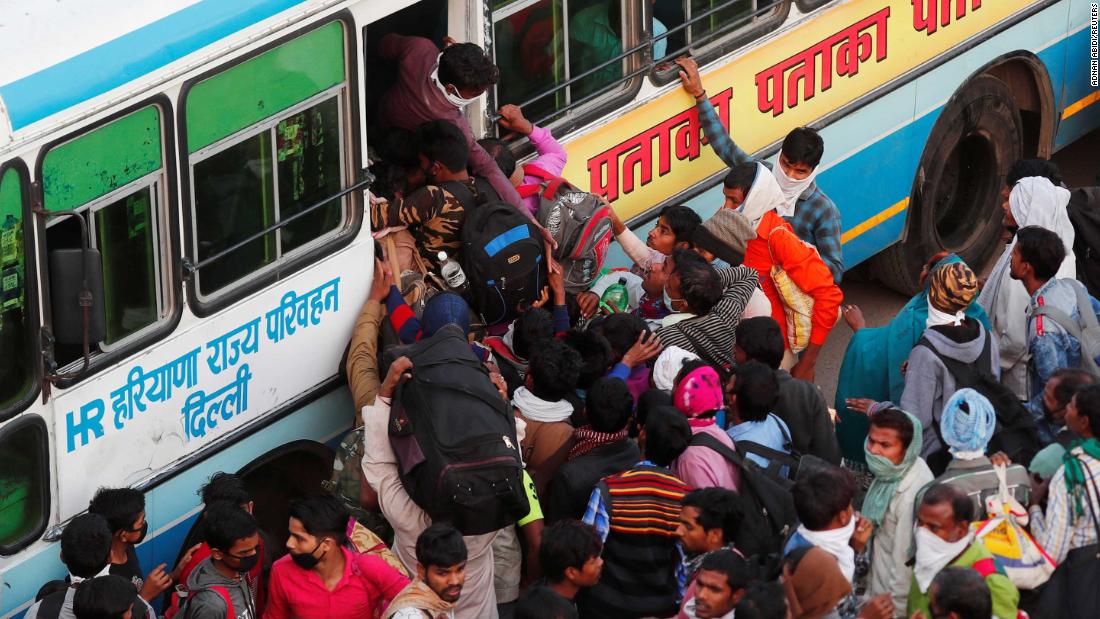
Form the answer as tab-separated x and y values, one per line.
776	243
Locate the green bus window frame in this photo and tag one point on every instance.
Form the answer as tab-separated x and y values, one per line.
606	98
30	292
38	425
154	184
168	243
268	125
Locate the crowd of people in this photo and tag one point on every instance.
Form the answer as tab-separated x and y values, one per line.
670	455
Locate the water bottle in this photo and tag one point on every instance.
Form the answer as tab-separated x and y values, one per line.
616	296
452	273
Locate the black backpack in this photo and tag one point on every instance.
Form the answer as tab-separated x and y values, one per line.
455	437
769	508
502	256
1015	432
782	466
1084	213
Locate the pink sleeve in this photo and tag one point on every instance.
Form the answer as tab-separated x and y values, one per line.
552	156
276	606
381	576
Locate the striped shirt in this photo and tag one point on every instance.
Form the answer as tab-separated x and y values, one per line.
1059	531
712	336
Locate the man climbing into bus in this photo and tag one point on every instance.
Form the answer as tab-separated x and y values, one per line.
814	217
434	85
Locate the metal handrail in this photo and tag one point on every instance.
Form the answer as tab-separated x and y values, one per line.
193	267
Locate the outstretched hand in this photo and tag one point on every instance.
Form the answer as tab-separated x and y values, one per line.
689	77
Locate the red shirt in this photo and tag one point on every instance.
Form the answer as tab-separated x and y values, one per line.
369	584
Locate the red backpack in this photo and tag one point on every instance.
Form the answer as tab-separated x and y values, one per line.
579	221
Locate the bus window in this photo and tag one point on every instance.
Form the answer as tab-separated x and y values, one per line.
541	44
16	374
253	166
24	499
112	177
697	24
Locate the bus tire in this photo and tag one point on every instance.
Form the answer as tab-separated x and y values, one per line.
955	203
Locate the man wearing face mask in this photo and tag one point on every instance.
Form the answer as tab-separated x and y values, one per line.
943	539
218	587
814	217
437	86
320	578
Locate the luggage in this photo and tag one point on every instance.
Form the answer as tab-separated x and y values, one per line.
1025	563
580	223
455	437
1015	432
798	305
769	514
1086	329
502	255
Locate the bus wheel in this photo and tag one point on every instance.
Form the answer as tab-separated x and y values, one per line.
956	201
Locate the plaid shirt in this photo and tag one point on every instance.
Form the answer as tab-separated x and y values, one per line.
1059	529
816	218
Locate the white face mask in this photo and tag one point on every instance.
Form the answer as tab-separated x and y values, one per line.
835	542
791	188
933	554
456	100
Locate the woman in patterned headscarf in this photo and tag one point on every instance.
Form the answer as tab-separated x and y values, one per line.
951	339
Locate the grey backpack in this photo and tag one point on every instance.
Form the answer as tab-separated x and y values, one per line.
1086	329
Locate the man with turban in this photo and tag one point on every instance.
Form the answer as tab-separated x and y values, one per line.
967	426
949	335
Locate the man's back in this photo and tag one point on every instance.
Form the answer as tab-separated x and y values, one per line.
802	407
572	485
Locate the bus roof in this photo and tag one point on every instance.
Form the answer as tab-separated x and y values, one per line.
60	53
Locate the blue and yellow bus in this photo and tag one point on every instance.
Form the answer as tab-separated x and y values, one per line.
183	249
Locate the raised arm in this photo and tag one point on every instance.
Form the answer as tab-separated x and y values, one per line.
724	146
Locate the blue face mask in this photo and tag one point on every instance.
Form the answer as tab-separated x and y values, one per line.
669	300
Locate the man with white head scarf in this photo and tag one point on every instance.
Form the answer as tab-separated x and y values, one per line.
773	243
1033	201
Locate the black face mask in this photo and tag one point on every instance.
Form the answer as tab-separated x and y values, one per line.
306	560
244	564
144	531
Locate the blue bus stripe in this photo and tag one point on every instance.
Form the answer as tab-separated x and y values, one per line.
130	56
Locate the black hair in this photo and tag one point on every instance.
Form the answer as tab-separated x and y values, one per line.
756	390
763	600
667	434
224	522
761	339
681	220
741	176
622	331
1070	381
738	572
532	326
567	543
961	505
398	146
466	66
440	545
496	149
441	141
595	355
719	508
120	507
700	286
389	179
803	145
224	486
648	401
1024	168
822	494
542	602
103	597
51	587
896	420
553	370
608	405
322	516
963	591
86	545
1088	406
1042	249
